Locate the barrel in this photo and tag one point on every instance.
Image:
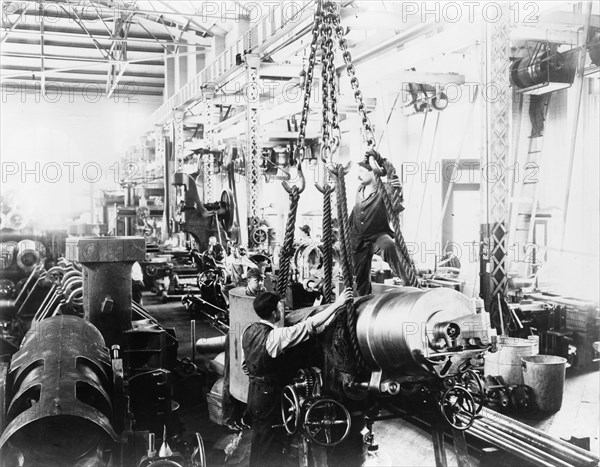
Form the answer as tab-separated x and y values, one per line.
506	362
545	374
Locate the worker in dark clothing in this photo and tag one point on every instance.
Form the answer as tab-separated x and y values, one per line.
264	345
370	230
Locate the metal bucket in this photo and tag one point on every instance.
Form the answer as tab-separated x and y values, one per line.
506	362
545	374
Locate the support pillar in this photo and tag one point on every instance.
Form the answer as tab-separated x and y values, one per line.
160	154
497	101
207	159
107	265
179	139
251	93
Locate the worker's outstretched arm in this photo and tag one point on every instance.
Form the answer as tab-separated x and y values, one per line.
322	319
280	339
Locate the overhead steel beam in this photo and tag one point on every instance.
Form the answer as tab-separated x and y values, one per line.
99	34
102	82
189	19
73	45
29	70
92	38
56	14
14	25
36	88
150	61
120	7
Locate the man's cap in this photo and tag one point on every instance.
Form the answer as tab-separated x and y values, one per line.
255	272
305	229
265	304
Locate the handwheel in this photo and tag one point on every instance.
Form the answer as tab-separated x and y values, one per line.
458	408
472	383
326	422
290	409
199	455
259	235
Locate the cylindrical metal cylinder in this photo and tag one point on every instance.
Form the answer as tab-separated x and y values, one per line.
396	330
59	393
211	344
28	255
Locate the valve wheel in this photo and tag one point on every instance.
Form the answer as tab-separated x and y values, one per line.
458	408
472	383
290	409
326	422
259	236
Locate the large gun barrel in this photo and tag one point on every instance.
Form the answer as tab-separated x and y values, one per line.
59	393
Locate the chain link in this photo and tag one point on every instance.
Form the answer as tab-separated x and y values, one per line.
358	97
308	80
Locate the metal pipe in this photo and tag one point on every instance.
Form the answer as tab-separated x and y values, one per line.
541	453
211	344
532	436
510	446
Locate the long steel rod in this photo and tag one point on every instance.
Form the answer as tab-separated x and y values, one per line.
538	438
497	432
509	446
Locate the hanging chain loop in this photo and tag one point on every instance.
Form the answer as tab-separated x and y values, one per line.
294	191
369	135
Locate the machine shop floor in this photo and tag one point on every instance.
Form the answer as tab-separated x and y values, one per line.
400	442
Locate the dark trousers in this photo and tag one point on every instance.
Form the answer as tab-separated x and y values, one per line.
264	405
363	254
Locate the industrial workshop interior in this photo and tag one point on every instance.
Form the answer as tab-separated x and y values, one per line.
299	233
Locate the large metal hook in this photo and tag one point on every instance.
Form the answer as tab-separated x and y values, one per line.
377	169
289	187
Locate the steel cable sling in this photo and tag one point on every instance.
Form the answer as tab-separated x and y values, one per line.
294	191
381	166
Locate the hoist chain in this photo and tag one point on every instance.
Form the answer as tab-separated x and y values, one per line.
328	75
308	80
294	191
358	97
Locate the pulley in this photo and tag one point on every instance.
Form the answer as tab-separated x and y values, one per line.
227	216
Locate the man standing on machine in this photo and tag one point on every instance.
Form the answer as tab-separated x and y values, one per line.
370	230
